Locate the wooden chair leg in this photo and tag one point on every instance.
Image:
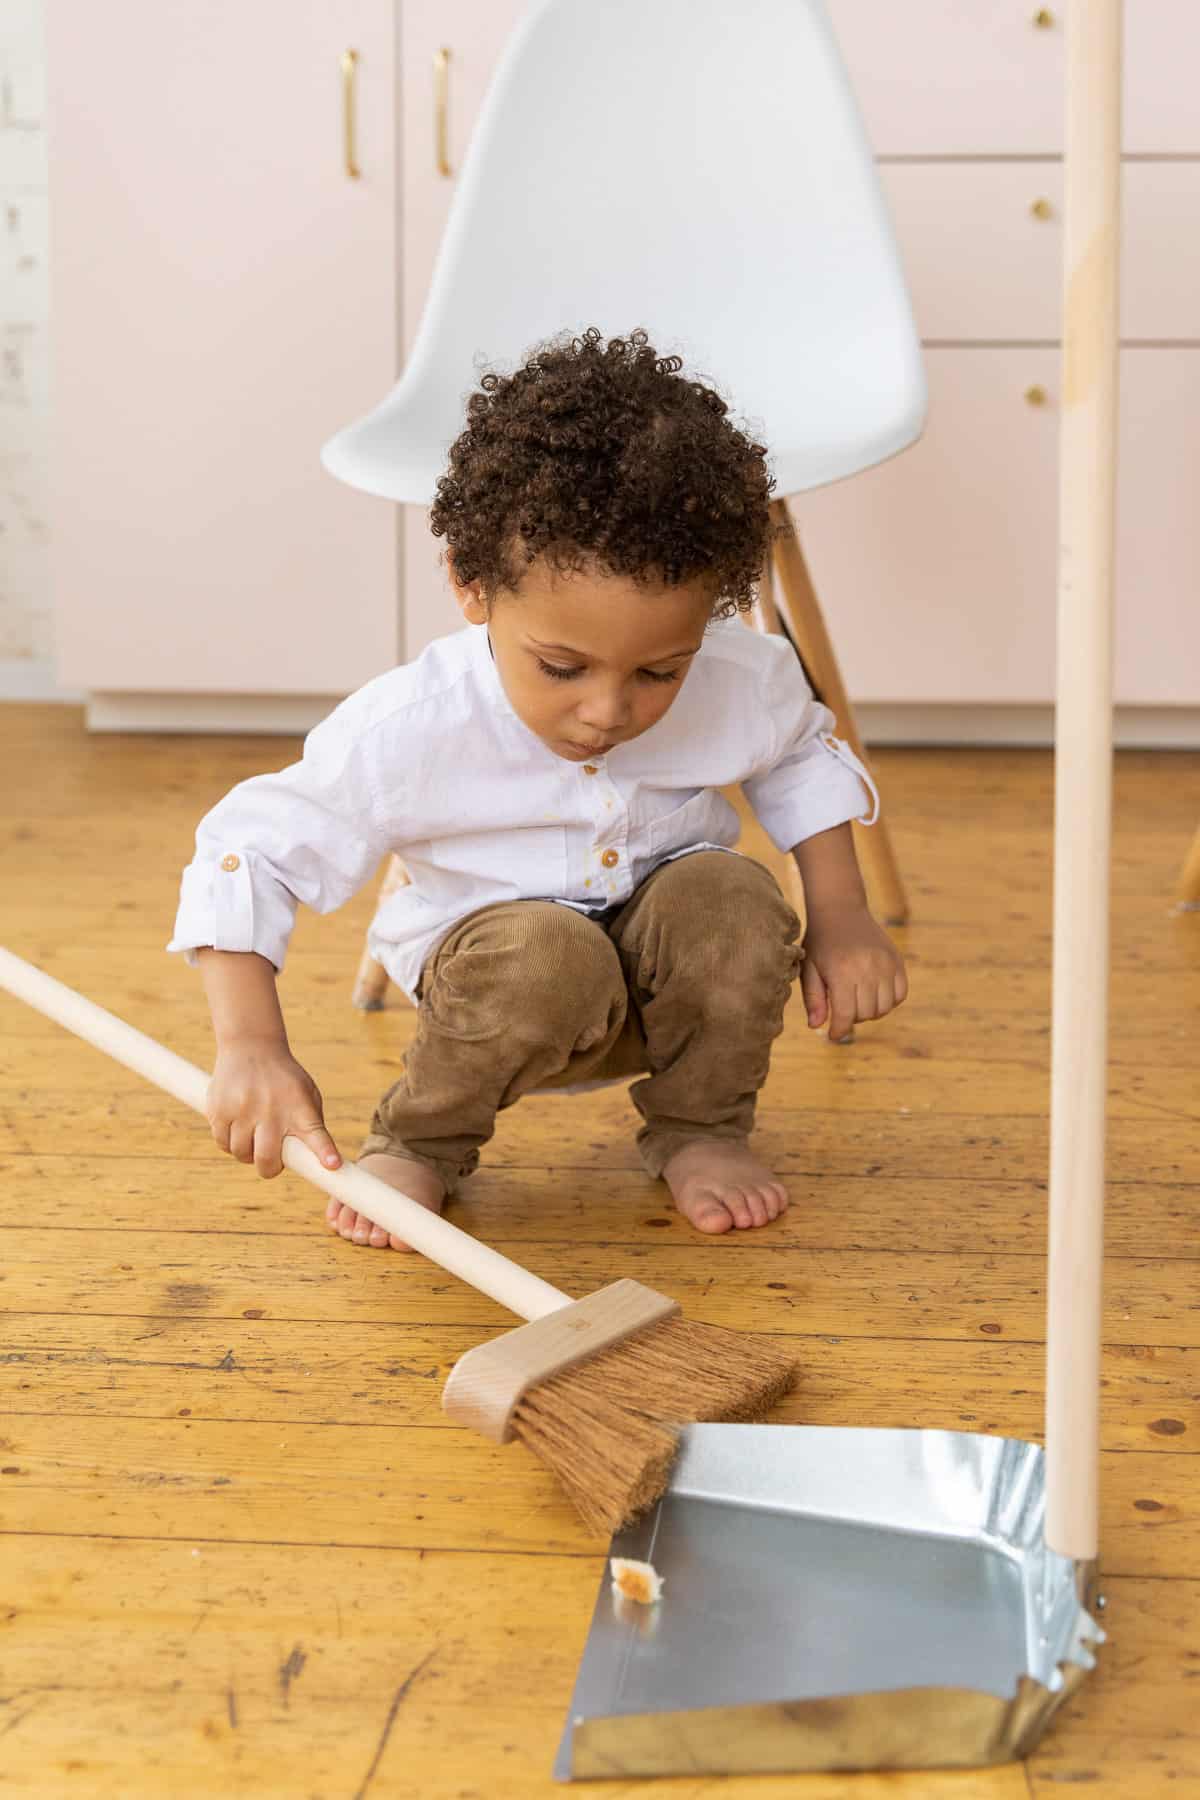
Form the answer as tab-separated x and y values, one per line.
371	982
806	627
1189	879
765	618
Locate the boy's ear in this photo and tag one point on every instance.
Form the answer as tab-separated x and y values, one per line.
474	606
470	596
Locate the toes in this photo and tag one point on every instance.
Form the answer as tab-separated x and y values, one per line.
356	1228
711	1216
756	1200
739	1208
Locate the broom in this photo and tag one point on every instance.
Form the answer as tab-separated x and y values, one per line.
597	1388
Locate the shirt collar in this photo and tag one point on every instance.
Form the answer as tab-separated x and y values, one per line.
489	674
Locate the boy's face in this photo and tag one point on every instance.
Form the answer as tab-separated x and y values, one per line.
591	661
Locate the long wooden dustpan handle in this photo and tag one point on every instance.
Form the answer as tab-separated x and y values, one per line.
485	1269
1083	774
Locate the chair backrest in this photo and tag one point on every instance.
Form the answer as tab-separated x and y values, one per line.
697	167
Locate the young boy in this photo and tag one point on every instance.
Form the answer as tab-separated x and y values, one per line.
549	776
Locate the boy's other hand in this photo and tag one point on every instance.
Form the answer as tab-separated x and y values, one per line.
258	1095
851	970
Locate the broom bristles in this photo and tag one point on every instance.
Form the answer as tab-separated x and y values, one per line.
609	1427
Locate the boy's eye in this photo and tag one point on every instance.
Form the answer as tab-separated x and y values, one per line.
557	672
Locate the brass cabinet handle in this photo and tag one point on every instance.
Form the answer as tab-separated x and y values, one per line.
1036	395
1043	18
1042	209
349	69
441	98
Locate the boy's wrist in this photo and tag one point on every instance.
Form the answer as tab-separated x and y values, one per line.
835	905
243	1001
231	1038
830	873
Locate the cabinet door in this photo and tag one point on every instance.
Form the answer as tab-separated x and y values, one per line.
937	571
223	299
474	32
1158	529
985	77
983	248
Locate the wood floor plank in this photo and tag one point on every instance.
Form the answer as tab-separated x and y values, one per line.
1147	1144
264	1482
352	1372
596	1131
538	1204
870	1074
754	1287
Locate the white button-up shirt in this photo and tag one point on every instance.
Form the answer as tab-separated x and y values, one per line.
430	760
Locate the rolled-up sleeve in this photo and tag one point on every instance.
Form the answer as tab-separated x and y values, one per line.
313	833
810	780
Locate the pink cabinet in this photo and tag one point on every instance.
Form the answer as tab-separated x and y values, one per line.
937	570
223	296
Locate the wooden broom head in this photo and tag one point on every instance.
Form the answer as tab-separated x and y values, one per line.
609	1427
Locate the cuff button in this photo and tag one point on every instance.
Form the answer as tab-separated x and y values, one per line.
231	862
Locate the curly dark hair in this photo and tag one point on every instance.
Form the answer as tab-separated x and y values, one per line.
602	456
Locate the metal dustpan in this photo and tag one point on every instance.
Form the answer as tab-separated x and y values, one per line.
834	1600
856	1599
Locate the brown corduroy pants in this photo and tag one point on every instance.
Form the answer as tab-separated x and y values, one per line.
686	984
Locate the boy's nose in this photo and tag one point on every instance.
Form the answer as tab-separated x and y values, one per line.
604	713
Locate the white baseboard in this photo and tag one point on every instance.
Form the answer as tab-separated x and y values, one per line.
1134	727
281	715
290	715
33	678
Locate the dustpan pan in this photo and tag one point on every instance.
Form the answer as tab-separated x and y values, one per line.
869	1599
834	1599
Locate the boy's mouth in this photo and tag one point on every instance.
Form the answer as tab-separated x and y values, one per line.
583	750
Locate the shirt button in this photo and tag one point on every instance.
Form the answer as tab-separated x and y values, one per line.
231	862
610	859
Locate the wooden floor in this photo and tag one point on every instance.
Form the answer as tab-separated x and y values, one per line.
242	1553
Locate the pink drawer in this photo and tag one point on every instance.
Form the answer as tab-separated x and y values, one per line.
937	571
980	78
982	245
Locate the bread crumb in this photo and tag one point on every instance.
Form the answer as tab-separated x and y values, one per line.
636	1580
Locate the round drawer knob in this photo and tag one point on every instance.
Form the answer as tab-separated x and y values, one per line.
1043	18
1042	209
1036	395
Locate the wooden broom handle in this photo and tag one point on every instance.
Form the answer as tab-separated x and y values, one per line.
473	1262
1083	774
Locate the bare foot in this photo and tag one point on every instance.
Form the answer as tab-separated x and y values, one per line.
718	1186
415	1179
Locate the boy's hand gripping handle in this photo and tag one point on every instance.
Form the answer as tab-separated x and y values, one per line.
464	1256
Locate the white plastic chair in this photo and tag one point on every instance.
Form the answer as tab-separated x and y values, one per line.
700	169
